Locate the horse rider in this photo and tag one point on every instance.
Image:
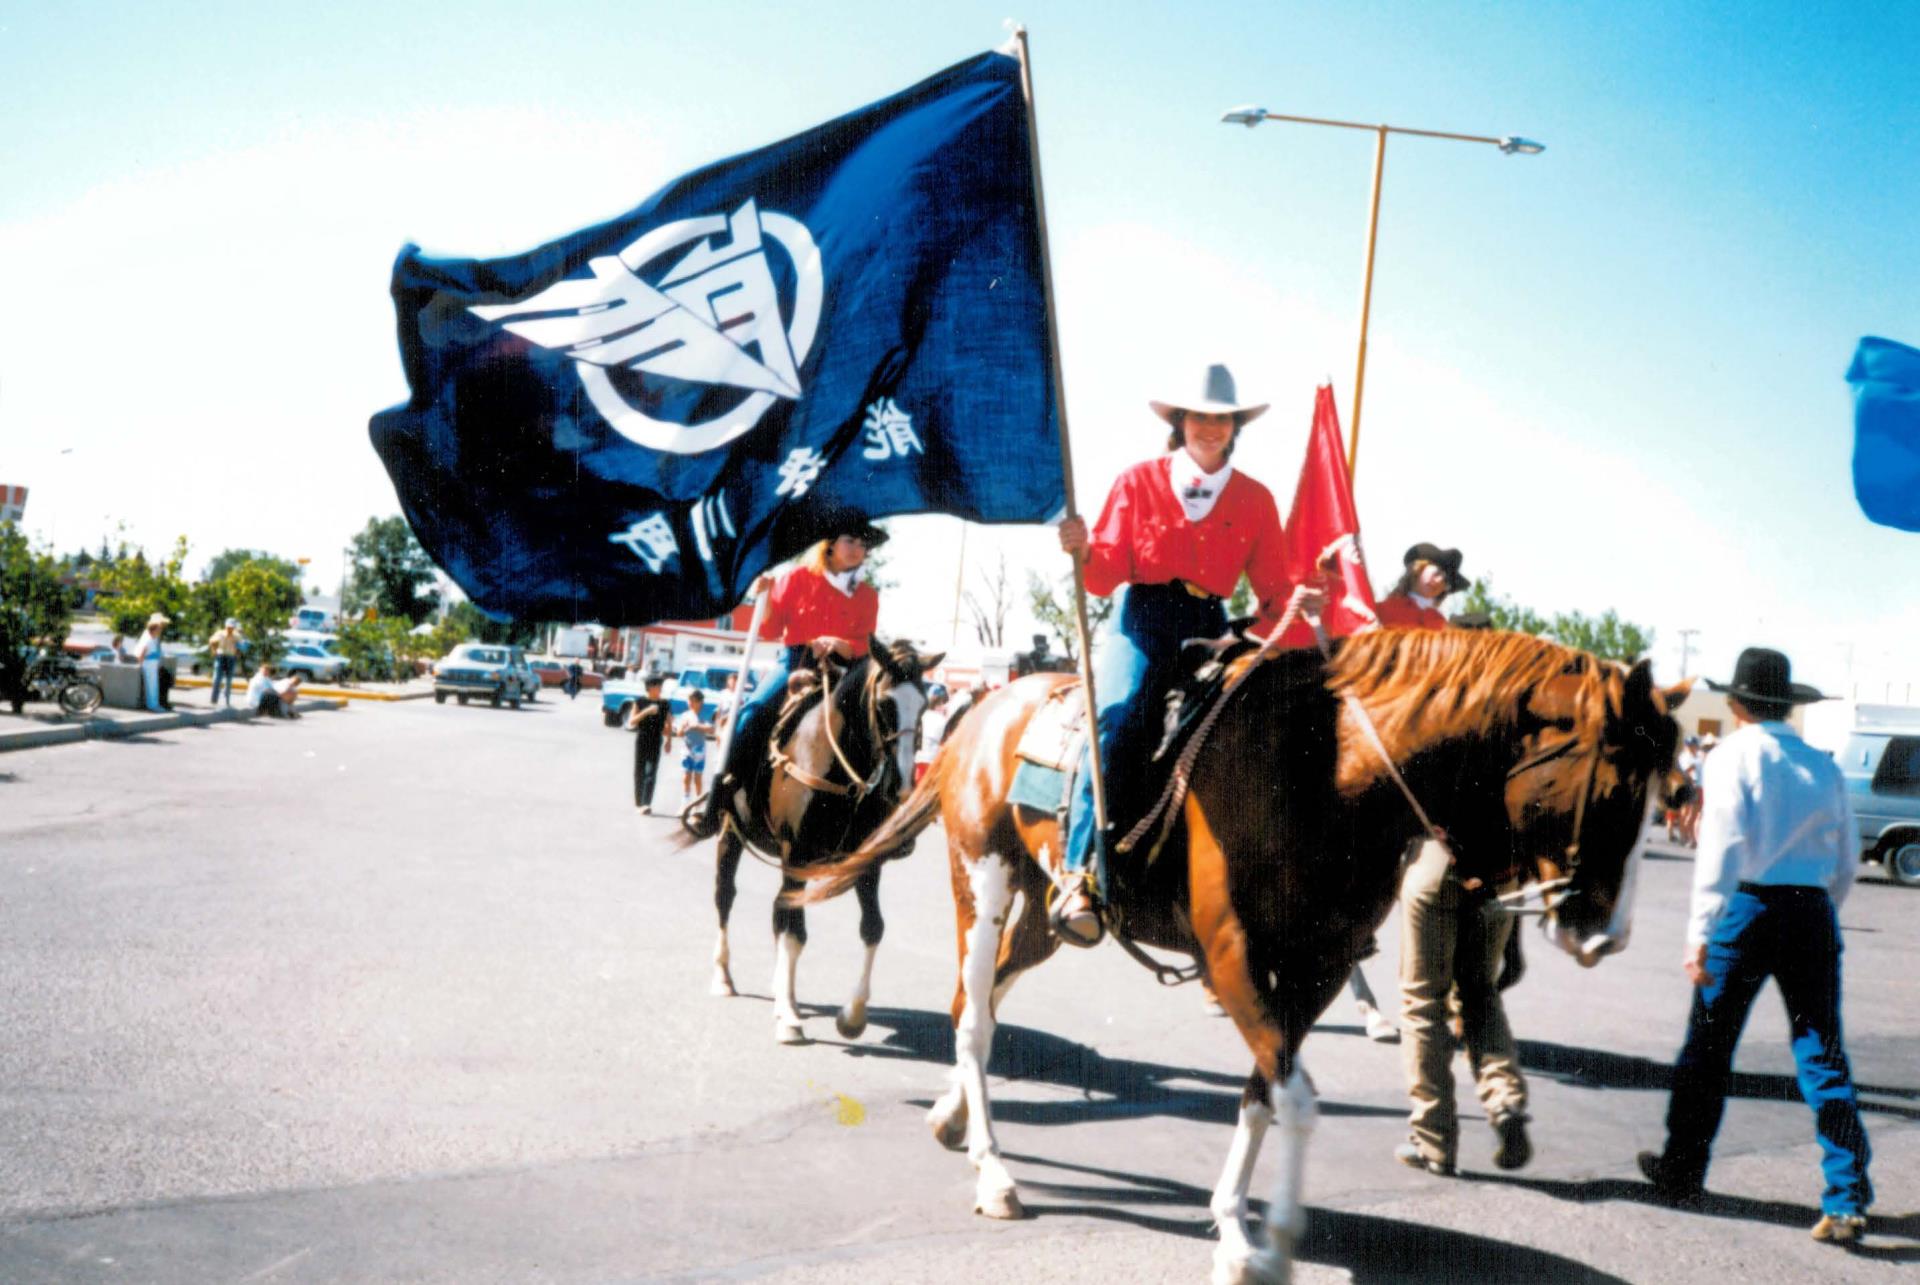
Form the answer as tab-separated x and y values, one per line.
1778	852
1453	941
818	608
1178	530
1414	601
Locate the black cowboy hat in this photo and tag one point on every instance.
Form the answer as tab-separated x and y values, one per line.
831	521
1763	674
1448	560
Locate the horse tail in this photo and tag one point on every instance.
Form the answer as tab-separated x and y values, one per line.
893	839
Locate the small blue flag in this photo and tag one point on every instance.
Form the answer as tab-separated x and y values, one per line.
630	423
1886	432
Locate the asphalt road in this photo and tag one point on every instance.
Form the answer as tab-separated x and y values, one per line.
411	993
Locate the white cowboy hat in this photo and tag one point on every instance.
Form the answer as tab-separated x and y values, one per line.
232	623
158	619
1217	397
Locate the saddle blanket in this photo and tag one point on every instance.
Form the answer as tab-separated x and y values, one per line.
1048	755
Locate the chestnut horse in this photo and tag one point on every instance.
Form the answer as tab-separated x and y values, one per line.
1531	758
837	768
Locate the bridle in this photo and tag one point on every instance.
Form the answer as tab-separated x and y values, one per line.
1553	892
858	787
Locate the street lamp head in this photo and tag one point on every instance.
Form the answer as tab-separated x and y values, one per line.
1513	145
1248	115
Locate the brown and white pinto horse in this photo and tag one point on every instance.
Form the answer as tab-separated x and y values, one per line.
837	769
1531	757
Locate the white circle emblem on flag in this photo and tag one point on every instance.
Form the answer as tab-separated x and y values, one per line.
712	318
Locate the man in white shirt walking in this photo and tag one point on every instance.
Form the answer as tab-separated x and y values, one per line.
1778	852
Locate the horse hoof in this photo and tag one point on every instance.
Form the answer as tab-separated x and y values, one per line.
1262	1267
951	1131
851	1027
722	985
789	1033
1000	1204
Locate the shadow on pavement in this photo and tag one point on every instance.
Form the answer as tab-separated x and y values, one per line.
1371	1248
1125	1087
1598	1069
1778	1213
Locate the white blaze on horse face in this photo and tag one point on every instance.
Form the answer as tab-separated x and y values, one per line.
908	704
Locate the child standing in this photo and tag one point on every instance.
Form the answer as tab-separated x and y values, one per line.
648	721
694	727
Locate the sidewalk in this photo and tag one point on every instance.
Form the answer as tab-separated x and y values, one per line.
42	724
416	689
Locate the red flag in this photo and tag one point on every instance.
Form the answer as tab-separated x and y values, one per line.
1323	533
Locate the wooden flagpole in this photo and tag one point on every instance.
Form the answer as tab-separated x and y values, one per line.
1095	770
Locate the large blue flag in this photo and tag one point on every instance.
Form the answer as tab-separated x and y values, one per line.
630	423
1886	423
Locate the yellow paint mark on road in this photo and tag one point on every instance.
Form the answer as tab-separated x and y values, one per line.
848	1111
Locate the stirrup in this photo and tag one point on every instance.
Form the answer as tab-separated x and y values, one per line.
1072	929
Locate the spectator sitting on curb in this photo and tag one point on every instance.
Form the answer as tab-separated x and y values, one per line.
270	699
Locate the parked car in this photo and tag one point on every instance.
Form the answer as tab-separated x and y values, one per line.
1882	768
314	663
484	671
553	673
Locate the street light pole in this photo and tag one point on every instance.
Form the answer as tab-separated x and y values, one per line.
1509	144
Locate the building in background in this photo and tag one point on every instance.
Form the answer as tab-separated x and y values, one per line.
13	504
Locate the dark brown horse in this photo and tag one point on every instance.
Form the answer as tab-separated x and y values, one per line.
1532	758
839	762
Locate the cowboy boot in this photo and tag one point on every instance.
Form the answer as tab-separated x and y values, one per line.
1074	915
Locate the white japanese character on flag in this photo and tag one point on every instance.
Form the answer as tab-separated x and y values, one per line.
799	470
651	539
890	432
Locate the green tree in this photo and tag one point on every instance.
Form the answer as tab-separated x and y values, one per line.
1504	614
227	559
34	608
1605	635
1052	606
133	588
390	572
262	597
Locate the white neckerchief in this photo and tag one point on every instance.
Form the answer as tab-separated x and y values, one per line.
843	580
1425	603
1197	492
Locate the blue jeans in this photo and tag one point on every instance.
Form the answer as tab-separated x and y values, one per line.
222	680
1138	662
755	716
1792	935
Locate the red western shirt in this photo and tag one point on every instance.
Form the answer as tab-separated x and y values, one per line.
1397	611
803	606
1143	537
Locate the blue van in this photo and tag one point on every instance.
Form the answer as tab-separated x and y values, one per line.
1882	767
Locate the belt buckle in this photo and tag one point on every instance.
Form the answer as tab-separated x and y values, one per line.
1194	589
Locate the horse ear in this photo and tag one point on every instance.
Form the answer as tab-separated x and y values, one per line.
932	662
1639	684
884	658
1672	697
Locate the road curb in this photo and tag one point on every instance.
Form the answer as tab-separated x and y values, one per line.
306	691
105	729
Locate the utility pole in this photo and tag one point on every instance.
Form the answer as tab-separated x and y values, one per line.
1686	648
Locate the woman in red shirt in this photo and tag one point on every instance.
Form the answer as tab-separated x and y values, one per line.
816	608
1431	574
1178	531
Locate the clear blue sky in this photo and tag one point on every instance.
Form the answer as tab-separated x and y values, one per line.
1612	373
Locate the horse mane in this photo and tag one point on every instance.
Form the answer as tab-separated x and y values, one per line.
1423	685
